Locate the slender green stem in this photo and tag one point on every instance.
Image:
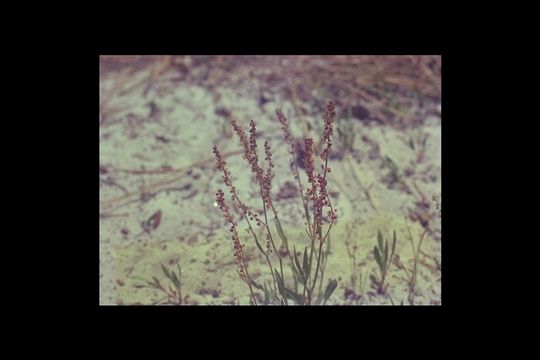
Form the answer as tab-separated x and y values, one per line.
248	278
270	235
264	253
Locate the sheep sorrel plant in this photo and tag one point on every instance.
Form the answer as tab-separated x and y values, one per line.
307	274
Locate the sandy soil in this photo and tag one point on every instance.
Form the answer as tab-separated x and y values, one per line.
156	136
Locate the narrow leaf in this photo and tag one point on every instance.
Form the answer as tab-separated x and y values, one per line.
256	285
305	264
308	233
296	276
281	233
394	244
307	218
280	284
294	296
378	257
175	280
386	253
166	271
298	267
179	270
329	290
258	244
266	295
380	240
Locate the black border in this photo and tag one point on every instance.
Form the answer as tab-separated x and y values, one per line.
87	146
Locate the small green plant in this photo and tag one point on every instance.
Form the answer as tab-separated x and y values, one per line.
358	279
173	290
384	259
412	273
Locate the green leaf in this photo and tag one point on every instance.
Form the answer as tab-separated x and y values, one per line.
175	281
266	295
278	279
296	276
166	271
281	233
140	279
306	211
308	233
281	285
378	258
156	281
256	285
297	298
258	244
394	243
329	290
380	240
298	267
305	264
386	253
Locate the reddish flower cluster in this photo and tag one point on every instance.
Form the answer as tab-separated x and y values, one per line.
250	154
288	138
268	248
318	192
328	129
267	180
308	162
255	168
332	215
238	246
222	166
312	190
250	147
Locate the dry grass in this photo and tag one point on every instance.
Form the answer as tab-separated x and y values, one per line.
386	86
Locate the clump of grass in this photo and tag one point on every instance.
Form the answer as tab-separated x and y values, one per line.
172	290
307	272
358	280
412	273
384	259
